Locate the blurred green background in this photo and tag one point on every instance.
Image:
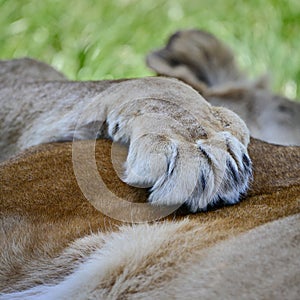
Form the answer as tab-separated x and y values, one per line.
108	39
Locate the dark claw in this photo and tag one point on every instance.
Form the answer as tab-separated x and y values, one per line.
203	181
205	154
115	129
233	172
246	161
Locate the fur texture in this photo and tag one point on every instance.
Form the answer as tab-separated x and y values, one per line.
188	151
120	265
56	245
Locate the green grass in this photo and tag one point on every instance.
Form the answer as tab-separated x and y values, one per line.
105	39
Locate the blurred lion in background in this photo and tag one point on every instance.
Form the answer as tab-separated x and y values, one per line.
207	64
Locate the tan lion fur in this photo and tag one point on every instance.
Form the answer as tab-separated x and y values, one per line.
45	216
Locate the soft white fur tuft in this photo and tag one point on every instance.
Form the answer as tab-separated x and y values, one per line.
128	261
170	261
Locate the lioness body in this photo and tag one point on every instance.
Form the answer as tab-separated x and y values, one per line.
57	245
50	230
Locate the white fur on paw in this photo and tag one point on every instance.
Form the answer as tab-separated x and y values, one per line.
236	170
150	158
197	175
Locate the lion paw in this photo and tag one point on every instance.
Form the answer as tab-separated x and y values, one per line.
182	148
197	175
